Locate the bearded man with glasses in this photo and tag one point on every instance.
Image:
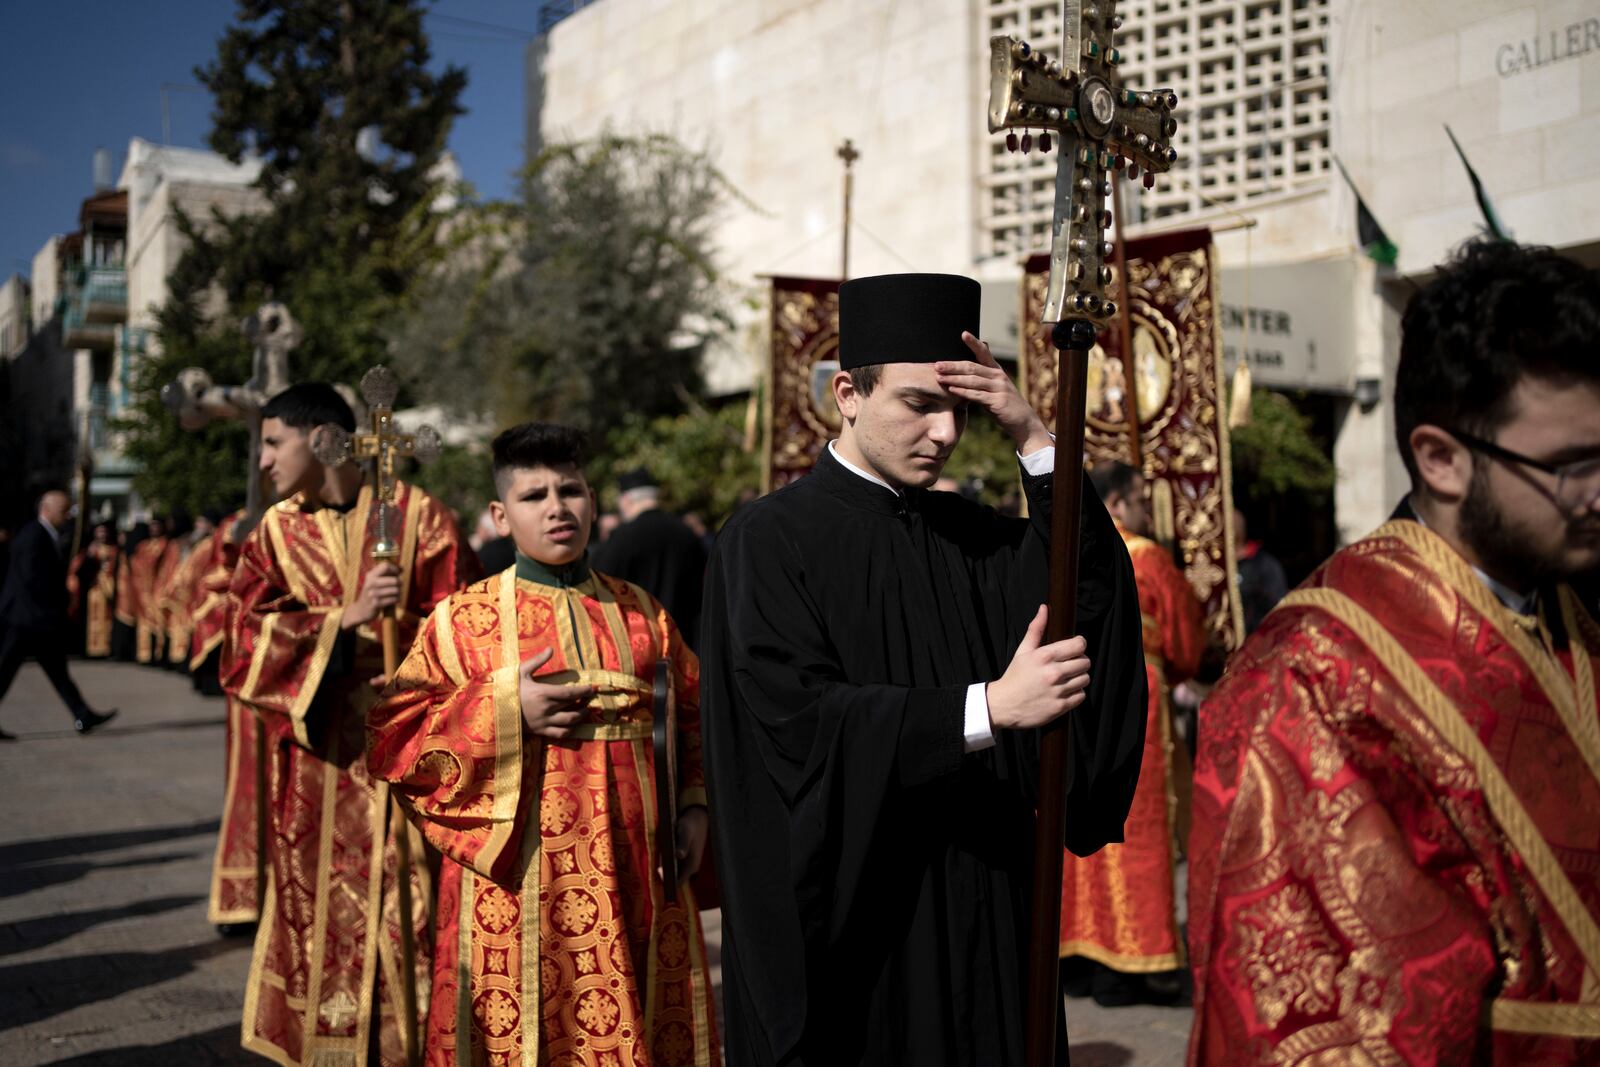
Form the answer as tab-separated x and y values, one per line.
1396	839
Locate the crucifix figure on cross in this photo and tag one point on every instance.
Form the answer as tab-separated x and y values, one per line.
1102	128
196	400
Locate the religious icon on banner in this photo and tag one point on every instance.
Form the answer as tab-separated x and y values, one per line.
801	416
1181	419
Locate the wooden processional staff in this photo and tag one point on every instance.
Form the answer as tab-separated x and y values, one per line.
383	445
1102	128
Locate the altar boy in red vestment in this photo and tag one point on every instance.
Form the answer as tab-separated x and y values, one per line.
1396	843
518	731
1119	915
302	655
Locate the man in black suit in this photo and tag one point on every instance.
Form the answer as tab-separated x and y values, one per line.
33	609
657	551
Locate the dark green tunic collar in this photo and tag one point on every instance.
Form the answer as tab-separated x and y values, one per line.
575	573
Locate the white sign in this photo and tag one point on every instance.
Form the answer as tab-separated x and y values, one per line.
1294	323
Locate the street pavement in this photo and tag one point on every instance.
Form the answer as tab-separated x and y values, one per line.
105	858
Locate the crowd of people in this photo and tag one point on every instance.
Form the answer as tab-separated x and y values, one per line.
448	811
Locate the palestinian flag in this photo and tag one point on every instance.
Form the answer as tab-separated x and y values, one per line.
1491	221
1369	234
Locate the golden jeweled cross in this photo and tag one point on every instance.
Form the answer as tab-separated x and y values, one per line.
1102	127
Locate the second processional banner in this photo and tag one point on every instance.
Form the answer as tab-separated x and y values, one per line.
801	417
1182	418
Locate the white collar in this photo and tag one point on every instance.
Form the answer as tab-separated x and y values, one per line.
853	469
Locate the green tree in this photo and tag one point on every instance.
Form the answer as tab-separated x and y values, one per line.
590	300
1275	454
335	99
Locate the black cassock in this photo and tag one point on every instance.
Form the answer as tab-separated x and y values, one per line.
659	552
876	877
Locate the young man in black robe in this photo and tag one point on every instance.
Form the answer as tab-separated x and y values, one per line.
873	677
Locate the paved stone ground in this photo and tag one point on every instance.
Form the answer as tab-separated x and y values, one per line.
105	856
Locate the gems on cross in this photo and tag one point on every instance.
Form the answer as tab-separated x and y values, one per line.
383	445
1099	127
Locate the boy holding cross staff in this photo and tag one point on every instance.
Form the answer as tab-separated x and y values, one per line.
304	653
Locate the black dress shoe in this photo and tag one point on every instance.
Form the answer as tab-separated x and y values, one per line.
89	719
1077	976
7	737
236	929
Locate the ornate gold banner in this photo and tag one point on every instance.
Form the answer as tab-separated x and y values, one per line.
1183	428
801	417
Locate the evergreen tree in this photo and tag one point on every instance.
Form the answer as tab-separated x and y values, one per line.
335	98
590	301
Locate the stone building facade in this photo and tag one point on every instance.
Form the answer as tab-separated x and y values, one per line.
1273	92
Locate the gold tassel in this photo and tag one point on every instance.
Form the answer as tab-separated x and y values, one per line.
1239	405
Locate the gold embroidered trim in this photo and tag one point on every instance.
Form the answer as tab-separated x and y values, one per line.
1448	564
469	889
507	743
699	976
658	903
320	902
208	646
1582	667
532	941
327	637
258	658
508	724
376	939
215	913
258	974
408	538
1118	961
691	796
1446	718
1530	1017
444	631
617	625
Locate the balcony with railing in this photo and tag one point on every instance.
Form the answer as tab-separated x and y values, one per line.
93	302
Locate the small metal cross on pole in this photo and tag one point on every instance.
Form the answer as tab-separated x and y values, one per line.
848	153
1102	128
383	445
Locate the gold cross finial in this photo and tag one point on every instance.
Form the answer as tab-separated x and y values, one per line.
1102	126
383	445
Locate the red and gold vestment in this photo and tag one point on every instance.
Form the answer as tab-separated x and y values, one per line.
1119	905
139	585
1396	847
178	596
92	583
238	865
554	942
324	982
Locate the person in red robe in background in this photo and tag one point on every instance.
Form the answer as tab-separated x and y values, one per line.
92	585
138	606
1119	919
518	733
239	863
327	978
1396	847
177	596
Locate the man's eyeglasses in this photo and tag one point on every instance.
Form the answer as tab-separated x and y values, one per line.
1577	483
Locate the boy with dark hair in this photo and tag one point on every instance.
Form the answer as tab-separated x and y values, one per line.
1396	845
517	731
303	654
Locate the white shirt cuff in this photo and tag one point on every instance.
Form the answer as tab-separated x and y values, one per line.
977	728
1040	462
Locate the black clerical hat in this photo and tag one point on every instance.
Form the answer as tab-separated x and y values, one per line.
906	318
638	478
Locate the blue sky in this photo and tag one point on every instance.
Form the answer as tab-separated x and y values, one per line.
81	74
